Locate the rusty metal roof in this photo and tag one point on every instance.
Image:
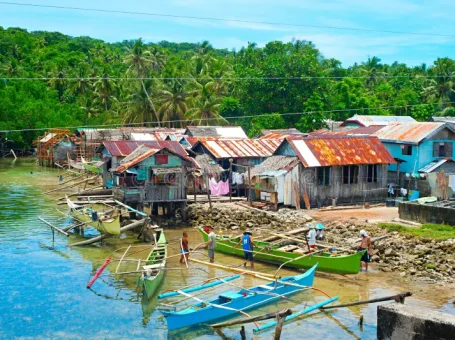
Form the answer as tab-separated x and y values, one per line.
412	133
216	131
339	150
241	148
143	152
122	148
365	120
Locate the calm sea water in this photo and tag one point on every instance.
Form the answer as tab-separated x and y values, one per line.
43	283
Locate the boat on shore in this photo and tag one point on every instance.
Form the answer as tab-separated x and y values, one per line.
99	216
153	271
291	256
233	303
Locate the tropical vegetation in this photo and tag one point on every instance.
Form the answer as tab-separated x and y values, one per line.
49	79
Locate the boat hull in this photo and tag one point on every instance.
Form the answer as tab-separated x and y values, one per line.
111	226
151	285
342	264
241	301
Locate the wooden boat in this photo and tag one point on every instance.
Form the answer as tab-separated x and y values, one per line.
153	273
99	216
269	253
232	303
93	167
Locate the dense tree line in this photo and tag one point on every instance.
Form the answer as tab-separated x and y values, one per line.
90	82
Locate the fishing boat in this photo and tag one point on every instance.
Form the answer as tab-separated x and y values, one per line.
291	255
153	270
233	303
94	166
100	216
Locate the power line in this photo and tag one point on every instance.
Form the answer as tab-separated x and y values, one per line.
210	119
217	78
223	20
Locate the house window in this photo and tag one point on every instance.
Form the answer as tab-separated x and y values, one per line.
406	150
161	159
350	174
323	176
442	149
372	173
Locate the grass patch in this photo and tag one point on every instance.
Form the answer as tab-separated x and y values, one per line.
428	231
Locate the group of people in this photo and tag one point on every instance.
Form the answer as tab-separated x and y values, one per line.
246	241
316	233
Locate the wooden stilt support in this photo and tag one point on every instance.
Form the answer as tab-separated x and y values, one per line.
53	227
242	333
70	186
279	326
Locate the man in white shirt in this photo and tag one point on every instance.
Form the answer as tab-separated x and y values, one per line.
312	236
211	244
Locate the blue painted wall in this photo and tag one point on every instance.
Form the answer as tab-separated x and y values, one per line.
421	156
285	150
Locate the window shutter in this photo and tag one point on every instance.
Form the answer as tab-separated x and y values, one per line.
435	149
449	147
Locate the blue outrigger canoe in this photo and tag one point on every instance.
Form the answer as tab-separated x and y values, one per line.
230	304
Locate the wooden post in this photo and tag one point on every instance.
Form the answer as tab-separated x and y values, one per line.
194	187
279	326
242	333
230	178
208	192
249	185
398	298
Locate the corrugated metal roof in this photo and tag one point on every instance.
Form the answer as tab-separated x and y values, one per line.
216	131
378	120
123	148
275	164
141	154
241	148
434	165
48	137
409	132
140	136
274	135
340	150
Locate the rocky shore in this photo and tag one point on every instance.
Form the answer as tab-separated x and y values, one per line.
417	259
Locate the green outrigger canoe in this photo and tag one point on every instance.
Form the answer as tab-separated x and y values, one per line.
269	253
153	273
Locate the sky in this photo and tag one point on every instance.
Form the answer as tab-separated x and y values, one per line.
433	17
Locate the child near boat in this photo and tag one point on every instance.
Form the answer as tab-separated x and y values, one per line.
185	250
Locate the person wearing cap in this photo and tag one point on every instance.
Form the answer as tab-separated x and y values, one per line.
365	244
211	244
320	232
312	236
248	246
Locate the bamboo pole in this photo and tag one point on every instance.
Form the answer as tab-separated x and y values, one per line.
230	178
292	232
267	316
53	227
131	209
399	298
103	236
236	270
70	186
72	179
297	258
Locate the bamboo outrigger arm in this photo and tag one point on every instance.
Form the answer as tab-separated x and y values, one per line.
53	227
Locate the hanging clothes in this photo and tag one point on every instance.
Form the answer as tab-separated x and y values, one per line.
452	182
403	191
390	191
219	189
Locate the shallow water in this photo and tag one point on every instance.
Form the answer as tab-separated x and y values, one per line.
43	283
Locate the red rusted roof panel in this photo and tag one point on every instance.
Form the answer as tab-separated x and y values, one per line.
123	167
241	148
340	150
122	148
407	132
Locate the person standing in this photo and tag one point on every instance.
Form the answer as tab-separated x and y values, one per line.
211	244
184	248
365	244
248	247
320	232
312	237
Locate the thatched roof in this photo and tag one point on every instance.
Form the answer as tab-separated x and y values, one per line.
274	164
208	165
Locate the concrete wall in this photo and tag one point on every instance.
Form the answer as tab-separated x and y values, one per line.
399	322
426	213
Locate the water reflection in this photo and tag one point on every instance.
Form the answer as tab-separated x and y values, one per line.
43	283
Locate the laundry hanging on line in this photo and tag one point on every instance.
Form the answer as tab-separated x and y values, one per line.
218	189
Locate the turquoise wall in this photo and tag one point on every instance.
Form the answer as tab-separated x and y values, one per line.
285	150
172	162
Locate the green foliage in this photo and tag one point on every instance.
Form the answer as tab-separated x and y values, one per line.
177	84
269	121
426	231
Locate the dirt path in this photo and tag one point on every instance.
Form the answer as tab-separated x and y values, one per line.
373	215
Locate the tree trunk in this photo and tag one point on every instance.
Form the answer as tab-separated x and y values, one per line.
151	103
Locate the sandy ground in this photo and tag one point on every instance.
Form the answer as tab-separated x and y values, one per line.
373	215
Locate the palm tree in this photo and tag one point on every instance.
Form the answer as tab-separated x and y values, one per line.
372	71
173	102
105	93
203	58
441	89
140	61
206	107
12	68
57	81
138	106
82	85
